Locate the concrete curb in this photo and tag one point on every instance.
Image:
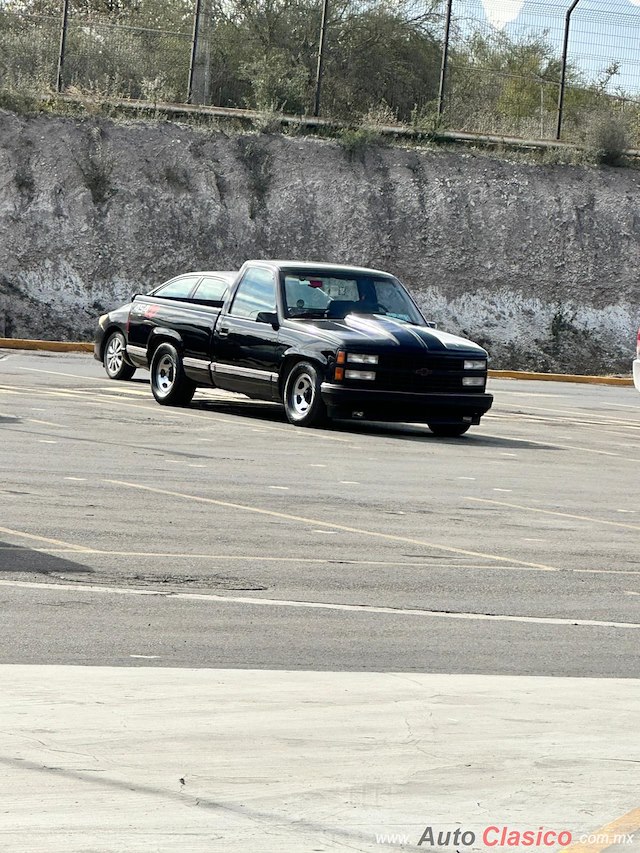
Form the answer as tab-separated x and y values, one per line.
560	377
81	346
51	346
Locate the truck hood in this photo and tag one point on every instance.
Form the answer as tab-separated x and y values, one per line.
382	332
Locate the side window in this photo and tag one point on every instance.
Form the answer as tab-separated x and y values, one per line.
178	288
211	289
256	292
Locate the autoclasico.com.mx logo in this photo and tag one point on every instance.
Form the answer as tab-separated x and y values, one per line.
498	836
503	836
507	836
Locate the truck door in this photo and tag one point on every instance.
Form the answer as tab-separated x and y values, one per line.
245	342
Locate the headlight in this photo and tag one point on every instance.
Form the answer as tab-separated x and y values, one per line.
362	358
476	381
102	321
475	364
370	375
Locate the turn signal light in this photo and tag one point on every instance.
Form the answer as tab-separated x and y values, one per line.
341	357
339	373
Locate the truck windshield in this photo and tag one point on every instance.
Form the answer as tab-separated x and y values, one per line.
333	296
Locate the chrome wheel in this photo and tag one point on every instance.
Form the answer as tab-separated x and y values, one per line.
115	355
302	399
169	384
165	375
301	395
115	358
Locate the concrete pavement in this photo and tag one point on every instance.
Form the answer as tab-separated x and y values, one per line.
158	759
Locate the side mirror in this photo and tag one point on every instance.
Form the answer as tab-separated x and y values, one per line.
267	317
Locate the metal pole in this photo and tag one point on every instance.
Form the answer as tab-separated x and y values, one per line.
563	72
323	38
194	49
63	44
445	59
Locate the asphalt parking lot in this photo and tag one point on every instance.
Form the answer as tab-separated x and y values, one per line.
362	547
220	632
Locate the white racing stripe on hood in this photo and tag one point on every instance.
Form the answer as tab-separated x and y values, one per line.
324	335
375	326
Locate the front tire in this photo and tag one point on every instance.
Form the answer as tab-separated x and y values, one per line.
169	384
448	430
303	404
114	360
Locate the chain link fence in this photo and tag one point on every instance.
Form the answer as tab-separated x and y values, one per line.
505	66
480	66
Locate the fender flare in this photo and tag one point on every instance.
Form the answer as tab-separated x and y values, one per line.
295	354
108	331
162	335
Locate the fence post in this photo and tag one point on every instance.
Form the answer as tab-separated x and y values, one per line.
63	44
323	38
445	59
194	49
563	72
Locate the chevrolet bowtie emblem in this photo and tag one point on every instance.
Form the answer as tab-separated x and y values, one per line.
423	371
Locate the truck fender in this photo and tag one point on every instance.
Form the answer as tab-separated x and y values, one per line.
160	335
296	354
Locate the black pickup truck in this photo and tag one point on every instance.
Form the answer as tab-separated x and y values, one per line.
325	340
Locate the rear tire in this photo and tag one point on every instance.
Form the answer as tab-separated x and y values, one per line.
114	358
448	430
302	400
169	384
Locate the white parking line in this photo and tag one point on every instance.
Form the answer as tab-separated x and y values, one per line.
329	525
78	394
553	445
59	373
20	534
44	423
316	605
590	518
30	420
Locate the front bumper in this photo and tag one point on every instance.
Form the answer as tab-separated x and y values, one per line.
374	405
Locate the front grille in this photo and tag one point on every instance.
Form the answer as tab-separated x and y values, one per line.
423	373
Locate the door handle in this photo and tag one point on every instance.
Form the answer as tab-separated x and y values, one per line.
223	332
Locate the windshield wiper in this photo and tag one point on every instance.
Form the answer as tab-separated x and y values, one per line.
305	312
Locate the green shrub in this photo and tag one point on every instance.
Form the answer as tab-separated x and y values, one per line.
356	141
607	138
